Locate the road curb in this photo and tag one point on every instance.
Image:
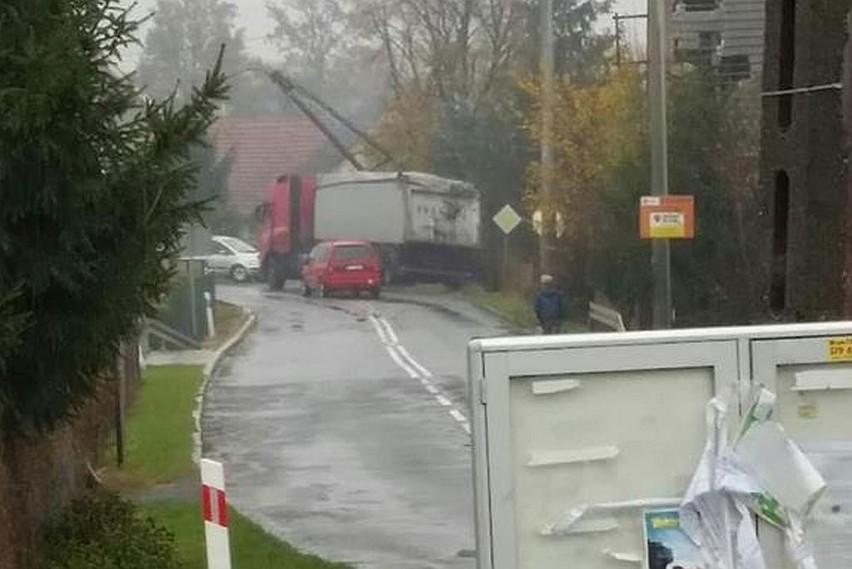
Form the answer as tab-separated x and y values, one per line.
428	303
502	318
209	369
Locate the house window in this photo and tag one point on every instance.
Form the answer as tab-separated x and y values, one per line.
786	62
735	67
696	5
709	41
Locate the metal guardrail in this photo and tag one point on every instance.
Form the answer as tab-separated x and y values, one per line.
167	335
607	317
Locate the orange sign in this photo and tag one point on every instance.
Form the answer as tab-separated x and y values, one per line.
667	217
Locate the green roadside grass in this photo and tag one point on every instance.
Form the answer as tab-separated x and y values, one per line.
252	547
228	318
160	426
514	308
160	476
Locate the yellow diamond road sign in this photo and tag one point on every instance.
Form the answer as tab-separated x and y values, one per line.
507	219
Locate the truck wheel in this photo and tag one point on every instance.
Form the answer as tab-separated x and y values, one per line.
375	292
390	270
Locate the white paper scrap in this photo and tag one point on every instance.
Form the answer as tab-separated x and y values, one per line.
552	458
780	467
580	527
626	557
552	386
823	380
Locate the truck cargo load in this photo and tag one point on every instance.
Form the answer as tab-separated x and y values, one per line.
426	227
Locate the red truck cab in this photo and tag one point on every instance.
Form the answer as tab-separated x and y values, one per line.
287	228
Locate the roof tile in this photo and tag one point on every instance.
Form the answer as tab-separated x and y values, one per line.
264	148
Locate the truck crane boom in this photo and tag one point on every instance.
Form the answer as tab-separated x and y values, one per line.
298	94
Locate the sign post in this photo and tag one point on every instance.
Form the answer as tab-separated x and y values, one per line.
215	508
507	219
661	218
658	56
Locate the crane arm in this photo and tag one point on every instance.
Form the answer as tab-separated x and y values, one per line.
296	93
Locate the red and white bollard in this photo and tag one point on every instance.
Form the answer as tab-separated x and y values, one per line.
215	507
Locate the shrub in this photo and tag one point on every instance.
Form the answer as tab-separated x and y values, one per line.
103	531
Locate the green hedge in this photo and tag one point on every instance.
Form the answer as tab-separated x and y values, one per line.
102	531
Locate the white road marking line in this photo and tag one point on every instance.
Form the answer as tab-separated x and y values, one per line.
457	415
413	362
461	419
379	330
399	361
389	329
413	368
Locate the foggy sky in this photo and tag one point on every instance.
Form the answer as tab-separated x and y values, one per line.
253	18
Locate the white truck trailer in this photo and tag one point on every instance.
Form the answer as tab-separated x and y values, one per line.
427	227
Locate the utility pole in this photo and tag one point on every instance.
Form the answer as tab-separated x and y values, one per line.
546	242
657	56
847	119
617	19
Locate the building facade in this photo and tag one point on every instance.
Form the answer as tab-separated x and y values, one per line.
804	156
727	34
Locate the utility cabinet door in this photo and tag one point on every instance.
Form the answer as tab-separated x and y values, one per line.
812	378
611	427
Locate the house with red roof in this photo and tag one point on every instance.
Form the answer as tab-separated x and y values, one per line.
262	148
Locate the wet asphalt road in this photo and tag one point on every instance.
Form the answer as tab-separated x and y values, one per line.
342	425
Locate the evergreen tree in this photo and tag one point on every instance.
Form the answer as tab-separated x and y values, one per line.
95	186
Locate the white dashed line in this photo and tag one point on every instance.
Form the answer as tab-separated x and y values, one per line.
413	368
457	415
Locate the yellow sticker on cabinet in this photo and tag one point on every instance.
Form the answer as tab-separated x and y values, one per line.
840	349
808	411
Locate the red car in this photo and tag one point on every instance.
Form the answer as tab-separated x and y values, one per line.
342	265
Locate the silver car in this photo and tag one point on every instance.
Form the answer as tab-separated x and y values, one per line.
233	257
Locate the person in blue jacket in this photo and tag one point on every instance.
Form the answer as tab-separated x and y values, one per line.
549	306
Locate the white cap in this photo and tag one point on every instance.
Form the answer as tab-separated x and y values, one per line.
546	279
